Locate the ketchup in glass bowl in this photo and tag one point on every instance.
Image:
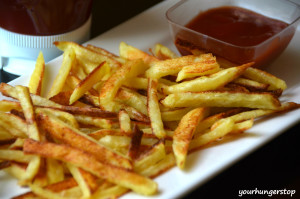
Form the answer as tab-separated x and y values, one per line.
240	31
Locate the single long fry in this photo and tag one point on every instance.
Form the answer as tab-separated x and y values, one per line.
67	63
36	80
154	111
265	77
184	133
33	131
222	99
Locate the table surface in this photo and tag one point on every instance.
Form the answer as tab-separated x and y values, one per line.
274	166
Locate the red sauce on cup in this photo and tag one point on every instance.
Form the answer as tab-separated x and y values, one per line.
43	17
238	34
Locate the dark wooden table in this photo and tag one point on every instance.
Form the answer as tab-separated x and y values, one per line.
275	166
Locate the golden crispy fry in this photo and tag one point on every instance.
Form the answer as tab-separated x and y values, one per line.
151	157
131	53
111	86
86	54
266	78
251	85
162	52
125	122
33	131
171	66
14	125
131	118
85	180
94	121
87	83
75	138
37	77
54	171
184	133
67	63
174	115
15	155
211	82
208	65
128	179
222	99
110	192
6	105
153	109
55	187
133	99
218	130
10	91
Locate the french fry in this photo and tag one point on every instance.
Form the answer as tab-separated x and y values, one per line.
10	91
55	187
15	155
128	179
14	125
36	80
211	82
208	65
153	110
220	129
111	192
109	90
152	156
160	167
133	99
62	115
87	83
131	53
85	53
125	122
85	180
162	52
6	105
54	171
33	131
222	99
171	66
250	84
67	63
266	78
94	121
132	117
174	115
184	133
78	139
16	170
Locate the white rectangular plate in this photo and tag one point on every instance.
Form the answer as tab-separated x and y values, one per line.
151	27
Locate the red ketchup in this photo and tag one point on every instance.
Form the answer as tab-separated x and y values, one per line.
43	17
243	34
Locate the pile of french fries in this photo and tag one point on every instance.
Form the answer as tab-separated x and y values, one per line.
111	123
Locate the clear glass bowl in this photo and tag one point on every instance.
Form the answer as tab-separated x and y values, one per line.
262	54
